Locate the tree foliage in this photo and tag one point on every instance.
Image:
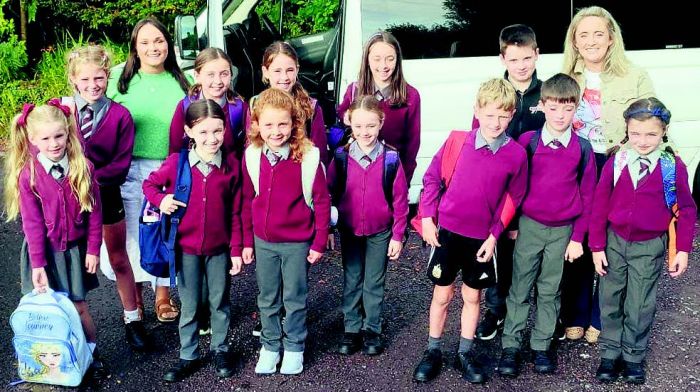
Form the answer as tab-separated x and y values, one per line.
301	17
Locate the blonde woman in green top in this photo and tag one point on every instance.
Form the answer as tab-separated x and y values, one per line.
150	85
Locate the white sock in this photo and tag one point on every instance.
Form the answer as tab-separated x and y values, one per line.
131	315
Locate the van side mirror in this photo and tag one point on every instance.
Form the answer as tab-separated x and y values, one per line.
186	36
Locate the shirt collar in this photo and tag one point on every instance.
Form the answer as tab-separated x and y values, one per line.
194	159
494	146
222	102
47	164
283	151
356	152
547	136
533	82
81	103
654	156
384	93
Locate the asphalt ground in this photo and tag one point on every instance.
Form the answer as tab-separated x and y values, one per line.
673	362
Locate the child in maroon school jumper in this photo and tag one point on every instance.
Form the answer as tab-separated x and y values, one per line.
50	183
212	75
463	221
107	132
381	75
371	222
632	209
209	235
285	214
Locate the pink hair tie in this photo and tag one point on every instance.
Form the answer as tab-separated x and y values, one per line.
26	109
55	102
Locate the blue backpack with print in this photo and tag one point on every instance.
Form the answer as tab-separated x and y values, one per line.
49	340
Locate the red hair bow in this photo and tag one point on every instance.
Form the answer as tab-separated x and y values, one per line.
55	102
26	109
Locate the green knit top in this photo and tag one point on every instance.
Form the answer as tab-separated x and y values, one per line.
151	100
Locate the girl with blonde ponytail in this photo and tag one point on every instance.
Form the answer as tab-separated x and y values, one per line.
51	185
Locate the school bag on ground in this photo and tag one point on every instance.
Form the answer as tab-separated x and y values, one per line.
309	165
391	167
49	340
667	161
158	232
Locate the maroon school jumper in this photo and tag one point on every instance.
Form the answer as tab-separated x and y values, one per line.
554	197
472	204
50	211
110	146
401	128
212	220
640	214
363	207
177	129
279	213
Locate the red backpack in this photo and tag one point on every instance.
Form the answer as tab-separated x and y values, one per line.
450	155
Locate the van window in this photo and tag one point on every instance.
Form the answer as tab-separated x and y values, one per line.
462	28
665	25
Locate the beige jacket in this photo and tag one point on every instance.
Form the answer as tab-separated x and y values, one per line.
617	93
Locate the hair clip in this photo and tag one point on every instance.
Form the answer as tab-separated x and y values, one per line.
663	114
55	102
26	109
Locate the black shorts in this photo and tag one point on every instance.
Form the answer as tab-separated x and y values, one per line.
459	253
112	204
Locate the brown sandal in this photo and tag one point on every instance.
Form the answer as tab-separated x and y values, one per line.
165	306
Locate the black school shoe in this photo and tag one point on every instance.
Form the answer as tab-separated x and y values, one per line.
608	371
633	373
489	326
97	369
470	368
350	344
223	364
508	365
372	343
181	370
136	335
429	366
543	362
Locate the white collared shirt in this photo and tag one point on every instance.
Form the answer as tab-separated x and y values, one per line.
48	164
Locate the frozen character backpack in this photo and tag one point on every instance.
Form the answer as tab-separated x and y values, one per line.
49	340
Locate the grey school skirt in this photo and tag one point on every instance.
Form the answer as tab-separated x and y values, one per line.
65	271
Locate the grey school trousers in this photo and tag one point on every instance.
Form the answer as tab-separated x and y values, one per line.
193	272
628	296
538	260
364	271
281	271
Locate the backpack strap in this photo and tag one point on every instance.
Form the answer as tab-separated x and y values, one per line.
340	159
183	185
391	167
309	166
253	155
532	146
309	121
586	150
450	155
621	159
668	175
235	117
186	102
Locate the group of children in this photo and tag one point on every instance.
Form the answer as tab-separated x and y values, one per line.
260	193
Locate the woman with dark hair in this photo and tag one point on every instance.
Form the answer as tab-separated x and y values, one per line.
150	85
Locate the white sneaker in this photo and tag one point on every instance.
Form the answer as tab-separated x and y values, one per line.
292	362
267	362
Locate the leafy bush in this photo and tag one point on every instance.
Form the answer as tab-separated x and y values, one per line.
301	17
50	79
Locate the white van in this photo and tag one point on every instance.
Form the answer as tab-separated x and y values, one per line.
451	46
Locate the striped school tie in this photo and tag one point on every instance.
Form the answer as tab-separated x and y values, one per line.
86	122
644	164
556	144
365	160
57	172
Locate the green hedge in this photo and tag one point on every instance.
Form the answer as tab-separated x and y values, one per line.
49	81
